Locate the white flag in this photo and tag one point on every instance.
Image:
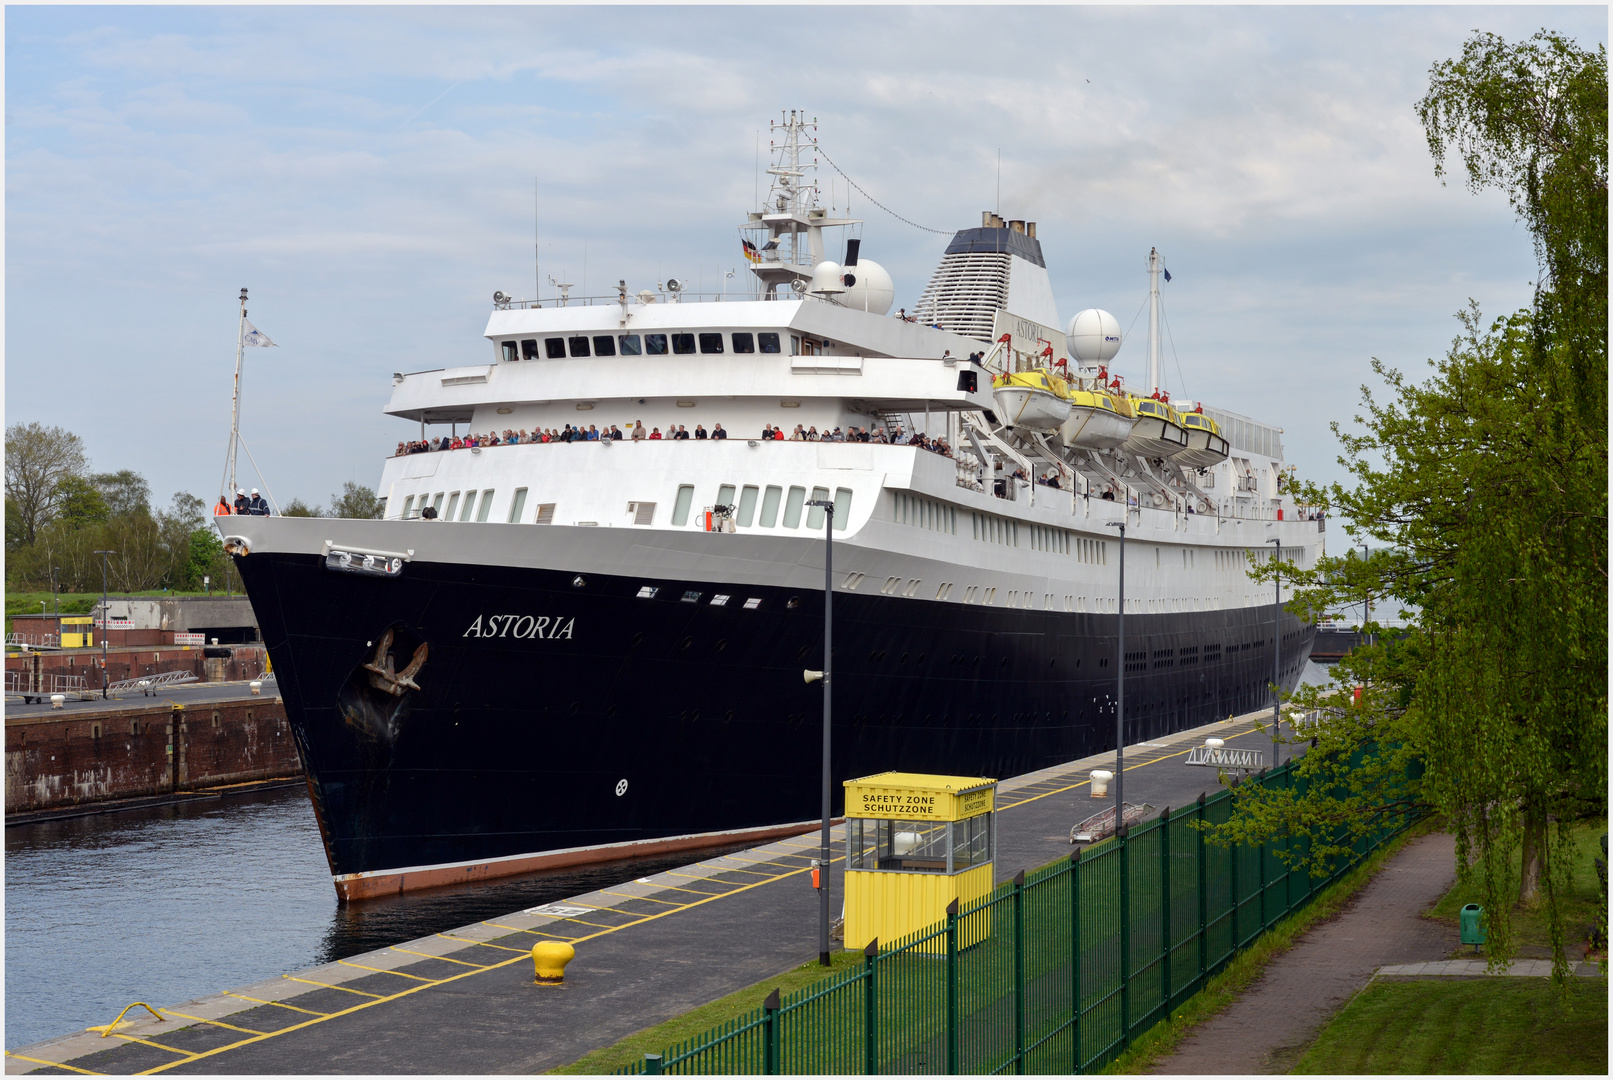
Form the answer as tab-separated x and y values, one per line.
254	336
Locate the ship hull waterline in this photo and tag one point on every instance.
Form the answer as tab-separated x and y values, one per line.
579	722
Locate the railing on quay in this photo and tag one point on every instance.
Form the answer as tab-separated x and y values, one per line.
1055	972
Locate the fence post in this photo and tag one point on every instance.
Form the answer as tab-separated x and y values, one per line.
1019	973
1232	850
770	1035
871	1009
1165	906
652	1064
952	988
1204	947
1125	942
1075	961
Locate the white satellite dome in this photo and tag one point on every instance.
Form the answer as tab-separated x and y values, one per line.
868	287
826	278
1094	337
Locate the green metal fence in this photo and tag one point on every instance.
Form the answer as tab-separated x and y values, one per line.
1127	930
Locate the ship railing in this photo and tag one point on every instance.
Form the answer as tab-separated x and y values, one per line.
685	296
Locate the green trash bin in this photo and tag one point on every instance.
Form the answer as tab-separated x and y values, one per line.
1473	925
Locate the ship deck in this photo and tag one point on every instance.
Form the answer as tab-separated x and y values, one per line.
647	950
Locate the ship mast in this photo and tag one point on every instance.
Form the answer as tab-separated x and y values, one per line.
1153	319
791	210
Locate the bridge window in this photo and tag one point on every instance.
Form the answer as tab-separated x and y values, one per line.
509	350
555	348
655	344
604	345
579	346
629	344
744	343
529	348
683	344
769	342
711	343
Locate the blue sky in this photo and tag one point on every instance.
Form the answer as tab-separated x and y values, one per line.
369	174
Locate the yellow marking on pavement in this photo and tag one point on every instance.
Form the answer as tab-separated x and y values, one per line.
330	986
384	971
148	1042
485	944
53	1064
215	1023
429	956
281	1004
637	920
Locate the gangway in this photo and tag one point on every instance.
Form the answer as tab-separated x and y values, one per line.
1102	823
150	684
32	688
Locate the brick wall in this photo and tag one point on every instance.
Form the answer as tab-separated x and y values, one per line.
54	761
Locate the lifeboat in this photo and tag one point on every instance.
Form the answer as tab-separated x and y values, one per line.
1035	399
1156	431
1206	446
1096	422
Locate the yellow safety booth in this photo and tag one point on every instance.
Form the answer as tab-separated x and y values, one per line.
914	844
78	631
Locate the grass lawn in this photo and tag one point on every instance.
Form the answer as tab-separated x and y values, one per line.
1529	924
1482	1025
657	1039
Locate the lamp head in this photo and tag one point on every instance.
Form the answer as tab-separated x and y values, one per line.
811	676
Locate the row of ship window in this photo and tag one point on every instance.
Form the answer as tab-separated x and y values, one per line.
558	348
768	507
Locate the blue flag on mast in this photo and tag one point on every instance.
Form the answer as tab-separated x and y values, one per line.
1167	275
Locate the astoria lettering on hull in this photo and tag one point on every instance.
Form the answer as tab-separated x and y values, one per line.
541	627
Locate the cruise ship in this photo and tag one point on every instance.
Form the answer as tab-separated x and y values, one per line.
552	650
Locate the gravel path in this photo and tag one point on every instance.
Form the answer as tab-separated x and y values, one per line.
1267	1028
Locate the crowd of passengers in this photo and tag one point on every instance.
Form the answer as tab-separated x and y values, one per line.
593	433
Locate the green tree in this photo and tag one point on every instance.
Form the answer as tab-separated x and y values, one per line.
80	503
356	501
125	491
38	459
1488	483
204	558
298	508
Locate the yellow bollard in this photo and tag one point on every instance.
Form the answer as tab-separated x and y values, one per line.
550	958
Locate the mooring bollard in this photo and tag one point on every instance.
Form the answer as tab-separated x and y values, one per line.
255	686
57	701
1100	783
549	960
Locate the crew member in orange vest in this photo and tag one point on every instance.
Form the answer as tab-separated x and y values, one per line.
222	508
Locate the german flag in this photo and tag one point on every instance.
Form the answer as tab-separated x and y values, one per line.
750	251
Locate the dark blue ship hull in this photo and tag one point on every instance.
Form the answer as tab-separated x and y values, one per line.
522	711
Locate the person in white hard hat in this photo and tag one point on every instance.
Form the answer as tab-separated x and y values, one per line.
260	505
243	505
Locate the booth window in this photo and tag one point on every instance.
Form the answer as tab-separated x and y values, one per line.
913	844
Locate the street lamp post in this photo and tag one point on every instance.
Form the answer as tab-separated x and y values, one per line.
828	507
1120	684
1276	649
105	619
55	601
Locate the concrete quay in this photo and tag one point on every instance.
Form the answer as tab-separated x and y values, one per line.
647	950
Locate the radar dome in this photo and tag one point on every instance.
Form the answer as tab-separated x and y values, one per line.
826	278
1094	337
868	287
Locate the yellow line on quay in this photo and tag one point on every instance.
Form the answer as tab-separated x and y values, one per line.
637	920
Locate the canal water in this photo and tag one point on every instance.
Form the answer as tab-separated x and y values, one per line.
170	903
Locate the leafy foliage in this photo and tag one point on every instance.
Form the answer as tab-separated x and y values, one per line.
356	501
38	460
1488	483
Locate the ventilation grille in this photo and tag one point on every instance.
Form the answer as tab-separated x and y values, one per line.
643	512
545	514
965	293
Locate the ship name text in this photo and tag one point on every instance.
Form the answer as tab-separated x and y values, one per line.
541	627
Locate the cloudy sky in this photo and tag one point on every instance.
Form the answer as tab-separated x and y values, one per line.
369	174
